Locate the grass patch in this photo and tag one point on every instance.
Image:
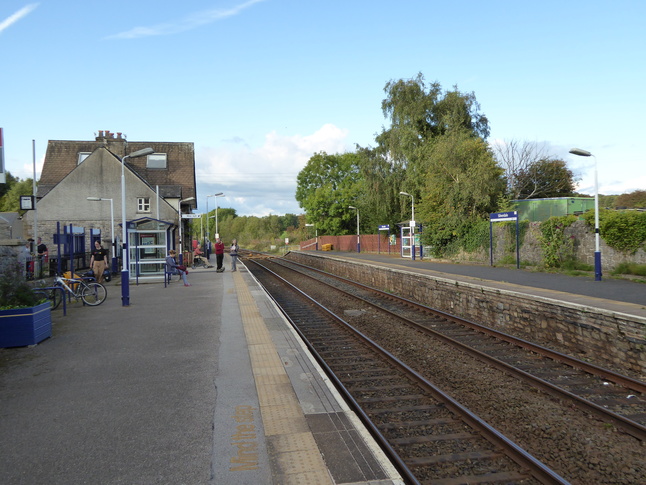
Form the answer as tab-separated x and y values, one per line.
630	268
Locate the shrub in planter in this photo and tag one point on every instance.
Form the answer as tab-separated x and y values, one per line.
24	318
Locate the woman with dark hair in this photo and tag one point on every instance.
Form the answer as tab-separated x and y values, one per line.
99	261
174	268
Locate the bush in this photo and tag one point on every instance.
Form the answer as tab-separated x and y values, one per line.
557	249
623	231
630	268
15	292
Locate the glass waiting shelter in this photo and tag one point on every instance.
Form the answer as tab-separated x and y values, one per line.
148	242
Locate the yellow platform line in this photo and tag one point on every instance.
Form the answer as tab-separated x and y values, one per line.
294	453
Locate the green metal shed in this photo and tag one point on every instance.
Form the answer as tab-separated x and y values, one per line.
538	210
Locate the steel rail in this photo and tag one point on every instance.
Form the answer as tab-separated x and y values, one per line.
537	469
629	426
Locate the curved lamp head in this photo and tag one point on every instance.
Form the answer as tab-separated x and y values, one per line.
581	153
141	153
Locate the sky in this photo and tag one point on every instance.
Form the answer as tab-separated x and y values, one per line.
259	86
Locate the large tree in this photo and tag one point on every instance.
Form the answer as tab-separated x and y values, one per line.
437	138
462	185
326	186
531	171
545	178
419	113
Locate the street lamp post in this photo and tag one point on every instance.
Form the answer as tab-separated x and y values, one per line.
597	246
358	235
114	247
207	222
219	194
316	232
412	223
125	269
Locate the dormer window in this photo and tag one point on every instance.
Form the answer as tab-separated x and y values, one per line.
83	156
156	160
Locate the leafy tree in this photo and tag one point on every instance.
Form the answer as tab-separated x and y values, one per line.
326	186
10	202
545	178
463	184
418	114
437	152
383	180
632	200
10	181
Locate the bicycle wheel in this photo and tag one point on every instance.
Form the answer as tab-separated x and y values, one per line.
56	297
93	294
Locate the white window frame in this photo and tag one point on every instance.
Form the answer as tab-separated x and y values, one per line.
82	156
143	204
157	160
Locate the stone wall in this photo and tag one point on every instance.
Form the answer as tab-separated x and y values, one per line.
532	253
504	242
606	338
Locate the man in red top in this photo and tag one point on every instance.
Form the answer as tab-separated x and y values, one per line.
219	254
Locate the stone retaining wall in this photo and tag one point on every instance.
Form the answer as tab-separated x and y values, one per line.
605	338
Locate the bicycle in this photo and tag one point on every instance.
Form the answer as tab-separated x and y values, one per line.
91	292
54	294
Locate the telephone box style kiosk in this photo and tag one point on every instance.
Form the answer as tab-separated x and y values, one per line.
410	241
149	241
503	217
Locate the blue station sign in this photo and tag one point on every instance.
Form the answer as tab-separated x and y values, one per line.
503	216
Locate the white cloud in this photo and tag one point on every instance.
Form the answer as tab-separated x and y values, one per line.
189	22
261	181
12	19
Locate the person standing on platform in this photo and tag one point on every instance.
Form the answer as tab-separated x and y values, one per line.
43	256
233	252
99	261
219	254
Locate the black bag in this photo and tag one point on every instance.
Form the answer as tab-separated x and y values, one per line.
107	276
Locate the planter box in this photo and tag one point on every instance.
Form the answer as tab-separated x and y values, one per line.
25	326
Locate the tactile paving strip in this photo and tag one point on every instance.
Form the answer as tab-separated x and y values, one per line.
294	454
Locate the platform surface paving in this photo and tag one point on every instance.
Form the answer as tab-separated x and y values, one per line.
198	385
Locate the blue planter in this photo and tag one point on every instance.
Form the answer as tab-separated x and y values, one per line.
25	326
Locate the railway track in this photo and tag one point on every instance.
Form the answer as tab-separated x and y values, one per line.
618	400
613	397
428	435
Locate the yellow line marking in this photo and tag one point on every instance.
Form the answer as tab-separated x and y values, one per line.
297	456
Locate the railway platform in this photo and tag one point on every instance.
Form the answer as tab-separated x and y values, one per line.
612	294
188	385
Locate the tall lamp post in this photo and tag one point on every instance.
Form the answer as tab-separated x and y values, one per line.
597	247
358	235
412	223
219	194
114	247
125	269
207	222
181	239
316	231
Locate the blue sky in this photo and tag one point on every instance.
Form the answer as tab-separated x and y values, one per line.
261	85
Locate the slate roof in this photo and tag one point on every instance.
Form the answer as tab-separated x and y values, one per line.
177	180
